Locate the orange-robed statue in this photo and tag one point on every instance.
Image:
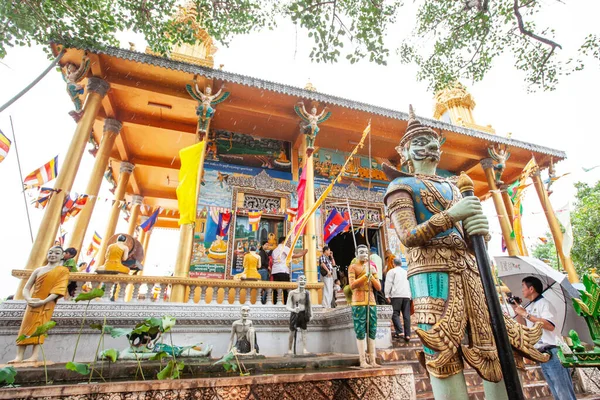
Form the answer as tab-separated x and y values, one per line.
45	286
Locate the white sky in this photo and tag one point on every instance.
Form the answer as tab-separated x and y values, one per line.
564	119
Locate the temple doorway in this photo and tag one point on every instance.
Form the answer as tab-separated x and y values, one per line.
344	251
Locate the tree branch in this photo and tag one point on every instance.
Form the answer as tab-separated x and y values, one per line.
532	35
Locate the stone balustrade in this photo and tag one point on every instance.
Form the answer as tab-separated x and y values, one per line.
139	288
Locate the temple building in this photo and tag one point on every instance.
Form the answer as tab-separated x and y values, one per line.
142	109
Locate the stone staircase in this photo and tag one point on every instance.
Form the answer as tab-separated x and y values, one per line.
402	353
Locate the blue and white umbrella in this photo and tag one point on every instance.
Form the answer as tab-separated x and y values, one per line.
557	290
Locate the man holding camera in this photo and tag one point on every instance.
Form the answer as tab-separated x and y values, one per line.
540	310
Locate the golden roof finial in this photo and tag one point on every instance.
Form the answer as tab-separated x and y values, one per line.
310	87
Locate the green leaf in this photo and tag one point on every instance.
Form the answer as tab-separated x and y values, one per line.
171	371
91	295
80	368
118	332
21	338
107	328
109	354
159	356
7	375
43	329
226	358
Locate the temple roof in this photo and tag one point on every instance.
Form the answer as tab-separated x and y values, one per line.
148	95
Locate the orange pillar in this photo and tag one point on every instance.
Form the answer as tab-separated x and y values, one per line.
96	89
124	173
136	203
554	226
505	225
112	127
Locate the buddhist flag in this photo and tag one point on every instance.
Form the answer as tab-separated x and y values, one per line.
95	244
42	175
291	213
4	146
187	190
224	222
80	202
146	226
43	197
254	220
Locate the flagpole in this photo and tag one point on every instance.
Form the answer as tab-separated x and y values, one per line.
21	175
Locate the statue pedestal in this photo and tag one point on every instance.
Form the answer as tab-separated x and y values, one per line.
328	332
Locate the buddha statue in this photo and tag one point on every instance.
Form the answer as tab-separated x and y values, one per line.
45	286
244	335
218	249
251	266
271	242
282	160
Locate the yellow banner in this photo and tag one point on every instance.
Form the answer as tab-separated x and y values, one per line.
187	191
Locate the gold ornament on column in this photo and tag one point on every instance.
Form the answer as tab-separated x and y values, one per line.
136	203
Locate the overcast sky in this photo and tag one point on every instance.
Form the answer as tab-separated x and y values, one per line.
565	119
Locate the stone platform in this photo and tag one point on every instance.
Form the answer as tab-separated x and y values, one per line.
330	331
350	384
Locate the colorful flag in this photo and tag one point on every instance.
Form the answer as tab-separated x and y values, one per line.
503	245
61	237
335	224
300	191
224	221
4	146
543	239
346	216
95	244
43	197
291	213
42	175
149	223
254	220
72	206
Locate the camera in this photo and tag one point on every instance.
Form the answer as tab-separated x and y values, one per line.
514	300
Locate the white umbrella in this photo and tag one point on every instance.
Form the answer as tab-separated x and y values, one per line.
557	290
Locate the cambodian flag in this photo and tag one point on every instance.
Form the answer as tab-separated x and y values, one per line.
224	222
335	224
146	226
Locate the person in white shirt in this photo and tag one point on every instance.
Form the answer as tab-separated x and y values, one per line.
280	271
540	310
397	293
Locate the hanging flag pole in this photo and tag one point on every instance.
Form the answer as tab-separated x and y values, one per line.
21	176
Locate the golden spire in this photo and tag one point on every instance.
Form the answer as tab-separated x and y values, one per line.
455	105
201	53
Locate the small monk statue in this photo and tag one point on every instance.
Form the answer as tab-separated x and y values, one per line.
298	304
45	286
251	266
244	335
363	280
116	254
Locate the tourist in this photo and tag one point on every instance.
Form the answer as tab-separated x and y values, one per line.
264	268
540	310
397	293
326	264
69	262
280	271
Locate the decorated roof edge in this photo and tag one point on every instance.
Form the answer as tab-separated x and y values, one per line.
312	95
